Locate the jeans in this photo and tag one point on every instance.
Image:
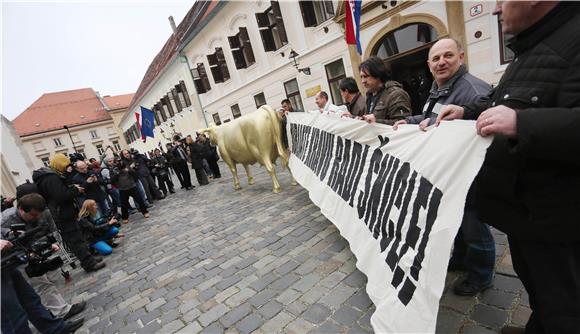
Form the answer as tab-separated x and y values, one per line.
141	191
116	199
102	246
20	303
474	248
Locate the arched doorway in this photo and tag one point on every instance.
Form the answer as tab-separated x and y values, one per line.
405	51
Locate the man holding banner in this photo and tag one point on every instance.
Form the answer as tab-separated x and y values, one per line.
474	247
529	185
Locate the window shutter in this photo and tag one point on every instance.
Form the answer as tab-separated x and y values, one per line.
156	115
239	59
265	32
185	94
279	22
203	76
248	52
222	64
167	102
161	111
214	68
328	8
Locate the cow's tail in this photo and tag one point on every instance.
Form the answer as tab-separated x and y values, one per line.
276	122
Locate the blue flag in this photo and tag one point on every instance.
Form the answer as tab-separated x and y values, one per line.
147	122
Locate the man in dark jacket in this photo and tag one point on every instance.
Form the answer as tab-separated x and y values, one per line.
529	184
474	248
61	200
355	101
387	101
179	161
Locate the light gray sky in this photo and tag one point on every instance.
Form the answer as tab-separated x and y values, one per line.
55	46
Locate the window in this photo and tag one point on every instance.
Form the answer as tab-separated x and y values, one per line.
100	149
200	79
260	100
94	134
404	39
161	111
293	94
116	145
506	55
271	26
242	49
216	119
182	94
156	115
167	107
45	161
236	111
82	151
316	12
179	104
334	73
218	66
57	142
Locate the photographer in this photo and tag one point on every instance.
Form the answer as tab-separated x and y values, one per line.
111	188
61	200
20	302
126	180
98	232
141	164
161	169
91	182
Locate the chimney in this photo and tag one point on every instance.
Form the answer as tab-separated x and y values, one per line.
172	22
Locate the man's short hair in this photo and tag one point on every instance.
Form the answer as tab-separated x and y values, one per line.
323	94
348	84
375	67
32	202
285	101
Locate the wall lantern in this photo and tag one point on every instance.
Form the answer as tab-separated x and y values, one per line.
293	55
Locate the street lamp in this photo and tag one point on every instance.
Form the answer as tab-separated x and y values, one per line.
293	55
71	140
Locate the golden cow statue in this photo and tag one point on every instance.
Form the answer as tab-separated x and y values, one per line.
256	137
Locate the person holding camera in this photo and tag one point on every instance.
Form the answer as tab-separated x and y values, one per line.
92	183
61	199
126	179
161	168
20	302
15	219
111	188
98	232
140	164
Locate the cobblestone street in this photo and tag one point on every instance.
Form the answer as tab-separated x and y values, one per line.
212	260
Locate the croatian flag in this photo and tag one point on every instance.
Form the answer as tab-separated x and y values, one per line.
353	11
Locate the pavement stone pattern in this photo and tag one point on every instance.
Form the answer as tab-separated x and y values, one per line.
215	260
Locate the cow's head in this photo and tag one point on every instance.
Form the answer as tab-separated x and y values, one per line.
211	132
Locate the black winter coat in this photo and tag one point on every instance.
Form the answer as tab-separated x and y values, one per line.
60	198
196	155
529	186
93	190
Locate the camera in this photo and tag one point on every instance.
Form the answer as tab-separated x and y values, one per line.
74	157
33	247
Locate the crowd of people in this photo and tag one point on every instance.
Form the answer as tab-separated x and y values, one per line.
79	201
528	186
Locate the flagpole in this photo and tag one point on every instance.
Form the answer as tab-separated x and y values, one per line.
355	60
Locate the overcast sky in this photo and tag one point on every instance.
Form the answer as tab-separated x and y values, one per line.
55	46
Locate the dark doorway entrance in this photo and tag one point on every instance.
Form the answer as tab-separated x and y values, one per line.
405	52
412	72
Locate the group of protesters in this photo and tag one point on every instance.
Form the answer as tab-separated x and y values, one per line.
529	185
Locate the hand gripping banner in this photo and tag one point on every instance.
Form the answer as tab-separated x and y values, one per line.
397	197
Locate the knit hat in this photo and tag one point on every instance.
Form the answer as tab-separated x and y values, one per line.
59	162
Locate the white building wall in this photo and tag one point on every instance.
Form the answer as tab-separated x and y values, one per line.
185	122
271	69
16	164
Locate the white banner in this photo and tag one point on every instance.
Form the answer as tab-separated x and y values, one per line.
397	197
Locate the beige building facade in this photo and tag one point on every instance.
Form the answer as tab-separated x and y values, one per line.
16	165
